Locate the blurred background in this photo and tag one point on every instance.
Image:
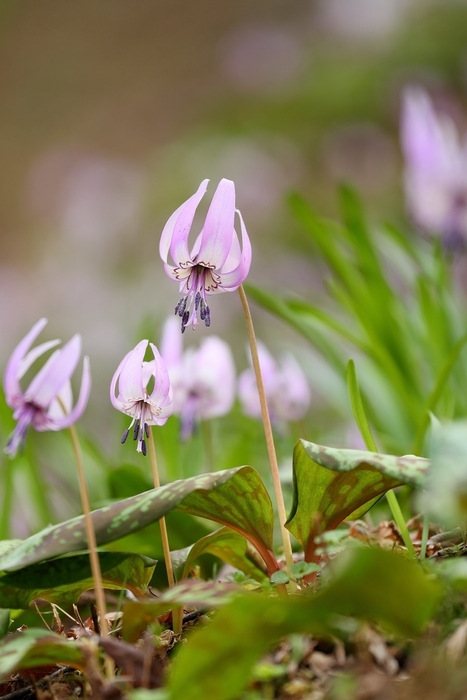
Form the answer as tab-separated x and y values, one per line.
112	112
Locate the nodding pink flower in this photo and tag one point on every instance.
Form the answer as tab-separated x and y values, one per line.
216	262
435	169
203	379
47	403
135	377
286	387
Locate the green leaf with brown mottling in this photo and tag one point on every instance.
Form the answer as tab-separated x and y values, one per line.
63	580
235	497
331	485
35	647
226	544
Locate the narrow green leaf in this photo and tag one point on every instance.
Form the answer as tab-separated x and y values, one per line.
357	407
440	384
217	660
235	497
331	485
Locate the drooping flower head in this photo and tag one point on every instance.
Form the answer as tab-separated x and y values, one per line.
285	384
203	379
144	392
435	169
216	262
47	403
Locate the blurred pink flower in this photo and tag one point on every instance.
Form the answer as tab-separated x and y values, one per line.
133	377
203	379
435	170
216	262
47	403
287	390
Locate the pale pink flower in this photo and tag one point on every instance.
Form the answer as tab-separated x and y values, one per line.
216	262
134	378
203	379
286	387
47	403
435	169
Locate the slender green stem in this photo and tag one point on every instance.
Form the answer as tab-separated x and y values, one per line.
92	545
365	431
425	532
162	523
400	521
268	433
177	613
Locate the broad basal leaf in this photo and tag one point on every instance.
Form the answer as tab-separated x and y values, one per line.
235	497
36	647
226	544
217	659
63	580
331	485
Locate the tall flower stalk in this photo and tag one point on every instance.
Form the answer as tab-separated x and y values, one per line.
131	381
217	263
47	405
287	546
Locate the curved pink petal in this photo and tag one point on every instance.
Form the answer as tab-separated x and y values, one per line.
130	382
83	398
218	228
233	279
162	382
34	354
50	379
12	371
175	234
113	399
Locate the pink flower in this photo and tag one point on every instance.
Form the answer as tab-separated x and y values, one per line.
216	262
203	379
435	170
47	402
133	377
287	390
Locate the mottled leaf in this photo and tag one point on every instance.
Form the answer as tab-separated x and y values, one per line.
36	647
191	592
226	544
331	485
216	661
235	497
63	580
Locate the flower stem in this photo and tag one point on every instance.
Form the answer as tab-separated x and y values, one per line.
162	524
92	545
267	432
177	612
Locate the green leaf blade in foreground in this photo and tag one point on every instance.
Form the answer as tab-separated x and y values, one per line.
216	661
36	647
63	580
235	497
331	485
